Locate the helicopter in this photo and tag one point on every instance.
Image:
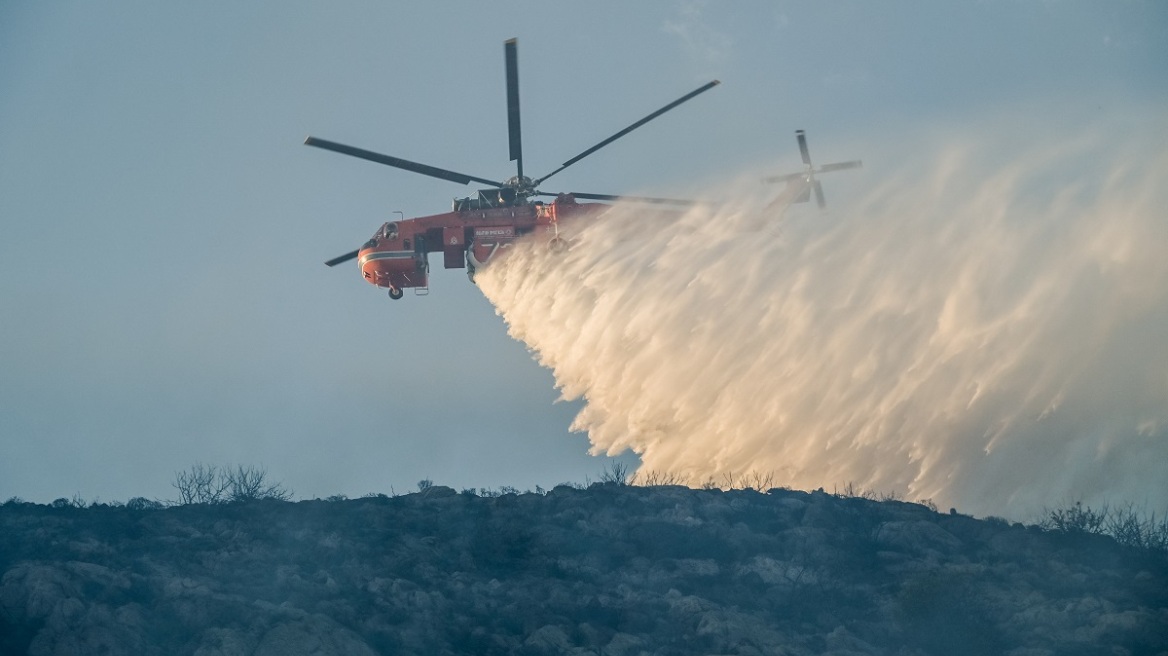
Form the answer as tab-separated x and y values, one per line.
801	184
481	227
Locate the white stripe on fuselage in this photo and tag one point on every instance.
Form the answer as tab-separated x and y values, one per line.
385	255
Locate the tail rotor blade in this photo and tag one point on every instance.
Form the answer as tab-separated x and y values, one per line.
786	178
802	138
819	195
511	56
341	259
841	166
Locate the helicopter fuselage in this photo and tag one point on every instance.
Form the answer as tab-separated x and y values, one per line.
471	236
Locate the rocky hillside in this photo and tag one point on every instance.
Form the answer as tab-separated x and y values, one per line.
610	569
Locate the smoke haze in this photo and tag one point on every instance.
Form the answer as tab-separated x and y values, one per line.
985	326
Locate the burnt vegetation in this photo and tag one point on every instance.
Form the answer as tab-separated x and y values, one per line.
211	484
233	566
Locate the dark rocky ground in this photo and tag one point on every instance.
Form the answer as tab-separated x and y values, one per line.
610	570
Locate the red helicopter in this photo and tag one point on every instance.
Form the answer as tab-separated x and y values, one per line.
479	228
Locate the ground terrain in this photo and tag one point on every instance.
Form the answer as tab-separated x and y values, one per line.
608	569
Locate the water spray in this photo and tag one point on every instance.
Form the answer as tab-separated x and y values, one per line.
987	335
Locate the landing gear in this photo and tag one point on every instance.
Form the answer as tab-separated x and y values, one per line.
396	293
558	245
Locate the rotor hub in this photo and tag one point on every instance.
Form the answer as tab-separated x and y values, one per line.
522	185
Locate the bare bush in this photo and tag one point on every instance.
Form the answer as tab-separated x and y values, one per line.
1074	519
211	484
1125	524
657	478
852	491
200	484
758	481
75	502
617	472
251	484
1137	529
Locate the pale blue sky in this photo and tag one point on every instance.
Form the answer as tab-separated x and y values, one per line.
162	295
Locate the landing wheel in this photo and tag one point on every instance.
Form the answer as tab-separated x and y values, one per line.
396	293
558	245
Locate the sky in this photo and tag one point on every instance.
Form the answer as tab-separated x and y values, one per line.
163	300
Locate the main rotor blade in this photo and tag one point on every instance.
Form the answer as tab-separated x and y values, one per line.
431	171
637	199
840	166
634	126
343	258
802	138
511	57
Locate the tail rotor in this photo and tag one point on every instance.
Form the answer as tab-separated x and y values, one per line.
802	184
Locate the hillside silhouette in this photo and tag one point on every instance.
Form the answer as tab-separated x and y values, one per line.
609	569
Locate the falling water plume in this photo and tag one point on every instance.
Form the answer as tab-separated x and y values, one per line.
981	327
